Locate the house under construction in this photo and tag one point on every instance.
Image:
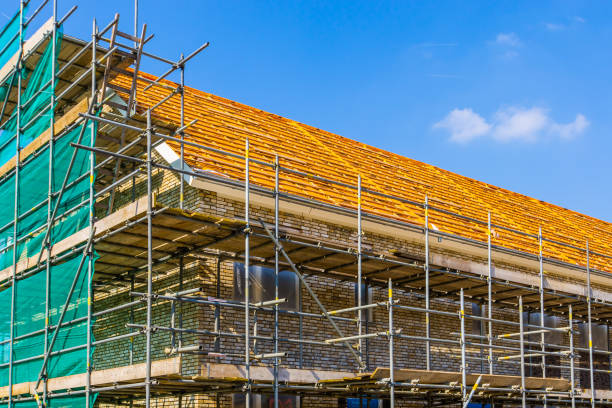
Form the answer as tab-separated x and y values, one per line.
162	246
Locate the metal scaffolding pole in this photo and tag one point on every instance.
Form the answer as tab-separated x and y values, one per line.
489	294
427	327
522	346
247	300
182	136
149	263
463	359
590	323
135	22
391	358
359	278
180	306
276	272
217	326
131	351
18	69
89	366
541	290
50	190
571	355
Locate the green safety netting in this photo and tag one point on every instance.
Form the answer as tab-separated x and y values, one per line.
36	111
33	185
73	213
9	39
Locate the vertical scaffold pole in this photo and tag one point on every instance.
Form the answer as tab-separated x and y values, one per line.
180	304
247	233
300	325
522	346
149	262
135	22
182	136
276	272
16	202
217	306
50	190
589	322
359	277
570	324
463	358
427	327
94	43
490	295
131	353
391	340
542	320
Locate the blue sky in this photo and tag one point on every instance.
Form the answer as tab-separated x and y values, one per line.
517	94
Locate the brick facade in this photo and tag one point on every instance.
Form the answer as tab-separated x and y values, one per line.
333	293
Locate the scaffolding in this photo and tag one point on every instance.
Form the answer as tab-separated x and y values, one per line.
66	123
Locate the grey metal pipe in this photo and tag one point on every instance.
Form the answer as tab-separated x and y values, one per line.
541	292
571	356
427	305
247	299
463	360
149	263
16	202
523	395
50	190
359	277
590	324
391	346
276	273
489	293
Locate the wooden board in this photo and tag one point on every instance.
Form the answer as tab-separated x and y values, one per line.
445	377
221	371
135	372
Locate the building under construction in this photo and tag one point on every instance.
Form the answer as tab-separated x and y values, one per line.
162	246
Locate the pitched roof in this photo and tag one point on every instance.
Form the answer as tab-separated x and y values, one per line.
225	124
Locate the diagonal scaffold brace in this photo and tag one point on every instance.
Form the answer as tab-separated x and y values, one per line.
311	292
86	253
60	193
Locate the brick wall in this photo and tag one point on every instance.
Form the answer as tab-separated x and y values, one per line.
333	293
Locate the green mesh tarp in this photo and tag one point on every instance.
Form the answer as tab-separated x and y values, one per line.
30	301
35	113
33	182
30	317
9	39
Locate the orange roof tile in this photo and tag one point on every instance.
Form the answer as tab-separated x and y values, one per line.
225	124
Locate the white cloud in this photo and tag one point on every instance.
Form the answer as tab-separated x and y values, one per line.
517	123
554	27
572	129
579	19
509	124
464	125
508	39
